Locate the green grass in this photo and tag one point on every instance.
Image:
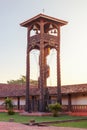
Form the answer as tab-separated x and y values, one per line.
25	119
80	124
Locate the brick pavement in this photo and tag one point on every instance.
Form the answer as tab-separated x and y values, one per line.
18	126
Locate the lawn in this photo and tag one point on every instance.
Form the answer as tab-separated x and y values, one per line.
80	124
25	119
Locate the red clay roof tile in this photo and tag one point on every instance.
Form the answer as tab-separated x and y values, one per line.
11	90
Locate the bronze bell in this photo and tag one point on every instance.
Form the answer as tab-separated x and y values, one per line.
51	31
36	31
55	31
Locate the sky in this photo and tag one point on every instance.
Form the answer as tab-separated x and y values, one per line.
13	38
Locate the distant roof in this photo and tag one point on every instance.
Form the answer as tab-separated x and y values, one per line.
12	90
74	89
9	90
39	16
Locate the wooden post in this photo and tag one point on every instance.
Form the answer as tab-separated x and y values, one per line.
58	70
42	83
28	104
18	103
69	102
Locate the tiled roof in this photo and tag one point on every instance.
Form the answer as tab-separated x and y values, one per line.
77	88
69	89
9	90
37	17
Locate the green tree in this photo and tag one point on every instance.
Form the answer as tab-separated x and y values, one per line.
22	80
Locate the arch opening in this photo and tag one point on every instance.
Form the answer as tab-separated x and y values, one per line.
34	65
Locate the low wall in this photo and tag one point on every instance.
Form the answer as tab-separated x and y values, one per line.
76	108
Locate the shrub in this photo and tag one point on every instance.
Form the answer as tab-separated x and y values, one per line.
8	103
55	108
11	112
9	106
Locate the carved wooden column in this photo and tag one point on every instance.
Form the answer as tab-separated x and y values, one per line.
41	108
58	69
28	105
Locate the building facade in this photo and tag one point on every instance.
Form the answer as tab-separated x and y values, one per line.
74	97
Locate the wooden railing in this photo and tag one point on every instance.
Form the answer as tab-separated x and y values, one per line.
46	37
75	108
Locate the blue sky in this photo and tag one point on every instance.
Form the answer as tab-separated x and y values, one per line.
73	37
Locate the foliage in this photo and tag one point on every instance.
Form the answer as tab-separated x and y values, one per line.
33	82
55	108
22	80
11	112
8	103
9	106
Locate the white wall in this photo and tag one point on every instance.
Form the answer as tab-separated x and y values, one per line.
79	100
75	100
15	101
2	100
64	100
22	101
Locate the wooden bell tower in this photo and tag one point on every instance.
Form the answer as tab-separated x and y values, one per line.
46	37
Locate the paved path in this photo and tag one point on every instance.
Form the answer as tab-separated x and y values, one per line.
18	126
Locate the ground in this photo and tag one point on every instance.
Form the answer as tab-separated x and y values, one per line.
18	126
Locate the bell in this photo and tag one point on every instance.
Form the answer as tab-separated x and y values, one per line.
55	31
35	28
51	31
50	26
36	31
48	50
